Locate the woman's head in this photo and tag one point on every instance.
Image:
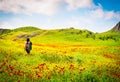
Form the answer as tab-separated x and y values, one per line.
28	39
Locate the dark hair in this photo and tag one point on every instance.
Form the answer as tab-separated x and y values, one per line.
28	39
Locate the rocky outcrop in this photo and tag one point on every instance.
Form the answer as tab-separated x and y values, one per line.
116	28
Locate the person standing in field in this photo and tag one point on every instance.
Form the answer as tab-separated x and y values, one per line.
28	46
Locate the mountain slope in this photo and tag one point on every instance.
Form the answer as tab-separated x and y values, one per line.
27	29
4	31
113	34
67	35
116	28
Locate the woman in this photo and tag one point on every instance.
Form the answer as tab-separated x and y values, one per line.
28	46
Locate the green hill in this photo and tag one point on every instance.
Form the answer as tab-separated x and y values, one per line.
59	55
27	29
64	36
4	31
113	34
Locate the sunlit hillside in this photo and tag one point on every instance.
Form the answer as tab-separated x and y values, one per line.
59	55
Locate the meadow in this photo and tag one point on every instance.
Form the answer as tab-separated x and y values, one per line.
65	55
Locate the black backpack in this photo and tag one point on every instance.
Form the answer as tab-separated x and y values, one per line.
29	45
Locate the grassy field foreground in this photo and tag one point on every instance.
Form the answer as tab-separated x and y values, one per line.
54	59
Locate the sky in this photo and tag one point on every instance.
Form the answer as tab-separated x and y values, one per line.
93	15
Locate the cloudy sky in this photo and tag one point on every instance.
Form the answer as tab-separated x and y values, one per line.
94	15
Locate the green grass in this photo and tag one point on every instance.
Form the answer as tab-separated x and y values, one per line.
26	29
61	55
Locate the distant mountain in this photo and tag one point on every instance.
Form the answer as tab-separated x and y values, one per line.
116	28
66	34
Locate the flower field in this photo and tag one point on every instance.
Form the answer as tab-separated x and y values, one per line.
58	63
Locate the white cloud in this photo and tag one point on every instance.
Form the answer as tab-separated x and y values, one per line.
81	22
6	25
95	20
47	7
117	15
98	12
50	7
74	4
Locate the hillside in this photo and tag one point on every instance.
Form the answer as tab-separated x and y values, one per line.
113	33
26	29
59	55
4	31
60	36
116	28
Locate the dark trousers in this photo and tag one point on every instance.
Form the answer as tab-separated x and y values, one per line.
28	51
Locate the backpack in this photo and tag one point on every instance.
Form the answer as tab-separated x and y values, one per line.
28	45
